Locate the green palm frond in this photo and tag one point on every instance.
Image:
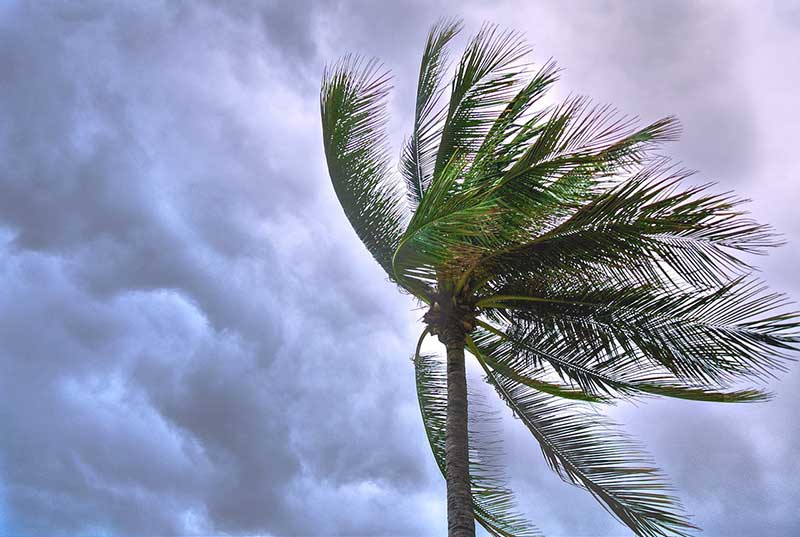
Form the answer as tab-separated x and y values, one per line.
486	78
353	107
485	351
570	159
537	357
596	140
712	338
444	221
493	501
649	228
585	450
491	216
515	125
580	152
419	154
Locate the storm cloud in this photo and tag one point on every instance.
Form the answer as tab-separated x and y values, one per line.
194	342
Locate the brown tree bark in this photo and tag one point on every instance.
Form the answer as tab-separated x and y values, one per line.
460	517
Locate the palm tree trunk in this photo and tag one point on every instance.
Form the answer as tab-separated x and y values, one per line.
460	518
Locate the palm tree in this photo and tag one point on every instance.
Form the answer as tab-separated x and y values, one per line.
571	261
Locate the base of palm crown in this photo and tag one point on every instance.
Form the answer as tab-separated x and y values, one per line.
450	320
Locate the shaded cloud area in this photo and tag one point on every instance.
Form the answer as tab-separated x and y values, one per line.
192	340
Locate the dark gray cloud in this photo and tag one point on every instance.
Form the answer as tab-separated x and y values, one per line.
192	340
174	360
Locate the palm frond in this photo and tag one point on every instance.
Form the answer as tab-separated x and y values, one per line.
549	171
530	377
711	339
584	449
353	109
507	135
577	365
580	152
419	154
596	139
565	165
485	80
493	502
649	228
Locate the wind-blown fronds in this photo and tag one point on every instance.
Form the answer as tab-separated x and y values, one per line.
485	80
419	154
486	352
580	265
506	137
735	332
352	103
584	449
528	355
577	154
493	501
649	228
593	139
493	219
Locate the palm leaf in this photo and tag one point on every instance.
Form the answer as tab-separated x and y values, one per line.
648	228
507	136
528	357
485	354
549	173
419	154
736	332
584	449
353	108
485	80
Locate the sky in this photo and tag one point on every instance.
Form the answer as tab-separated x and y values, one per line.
194	342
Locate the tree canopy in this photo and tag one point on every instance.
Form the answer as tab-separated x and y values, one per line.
583	264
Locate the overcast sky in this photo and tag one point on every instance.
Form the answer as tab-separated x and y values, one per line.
194	342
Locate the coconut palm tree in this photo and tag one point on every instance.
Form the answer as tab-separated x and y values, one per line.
573	262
